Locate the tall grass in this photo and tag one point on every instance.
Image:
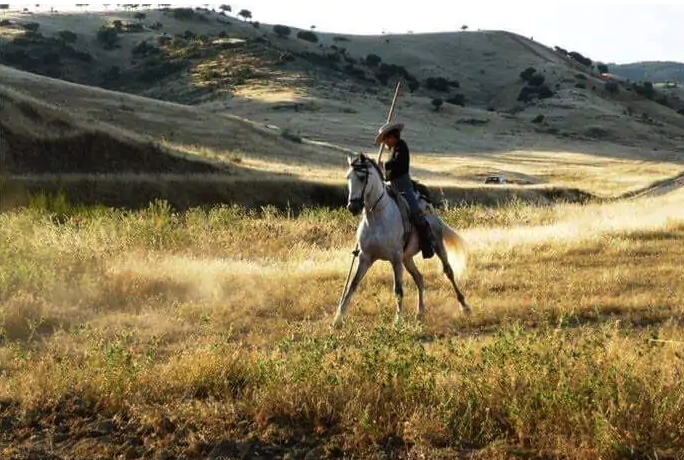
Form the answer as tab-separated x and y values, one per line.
161	333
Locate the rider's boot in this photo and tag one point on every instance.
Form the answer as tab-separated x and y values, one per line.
425	236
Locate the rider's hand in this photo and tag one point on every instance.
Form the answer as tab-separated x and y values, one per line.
381	164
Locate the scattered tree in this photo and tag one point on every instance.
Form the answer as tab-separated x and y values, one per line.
464	27
282	31
308	36
226	8
602	68
245	14
373	60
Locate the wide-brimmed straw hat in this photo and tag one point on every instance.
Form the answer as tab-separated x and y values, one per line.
386	128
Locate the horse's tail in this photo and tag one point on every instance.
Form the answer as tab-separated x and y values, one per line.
456	249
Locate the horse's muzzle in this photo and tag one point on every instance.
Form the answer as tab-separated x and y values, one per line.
355	207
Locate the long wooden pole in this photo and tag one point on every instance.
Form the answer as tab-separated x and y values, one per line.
390	114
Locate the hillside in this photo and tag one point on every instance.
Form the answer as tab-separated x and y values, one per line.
654	71
271	102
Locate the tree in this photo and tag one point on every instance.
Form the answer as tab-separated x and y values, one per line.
282	31
464	27
245	14
602	68
373	60
226	8
139	16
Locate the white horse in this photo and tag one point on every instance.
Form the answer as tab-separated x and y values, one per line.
381	236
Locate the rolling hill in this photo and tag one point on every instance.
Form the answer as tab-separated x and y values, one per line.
266	102
654	71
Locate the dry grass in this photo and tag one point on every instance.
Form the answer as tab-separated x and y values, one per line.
149	332
449	150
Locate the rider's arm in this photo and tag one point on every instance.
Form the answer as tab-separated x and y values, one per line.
399	163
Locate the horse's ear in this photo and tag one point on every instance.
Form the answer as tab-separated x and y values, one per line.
362	156
350	158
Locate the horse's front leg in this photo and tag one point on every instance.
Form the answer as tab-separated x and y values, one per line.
365	263
398	269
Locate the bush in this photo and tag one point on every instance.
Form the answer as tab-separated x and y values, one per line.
382	77
458	99
282	31
157	26
580	76
355	71
307	35
139	16
340	39
612	87
529	93
5	22
602	68
644	89
108	37
538	119
373	60
437	104
536	80
31	26
67	36
581	85
526	74
183	14
413	85
145	49
579	58
437	83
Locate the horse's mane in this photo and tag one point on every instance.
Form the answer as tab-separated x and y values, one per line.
376	166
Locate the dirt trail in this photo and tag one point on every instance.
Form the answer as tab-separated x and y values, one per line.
659	188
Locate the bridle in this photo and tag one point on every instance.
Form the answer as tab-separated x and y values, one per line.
361	200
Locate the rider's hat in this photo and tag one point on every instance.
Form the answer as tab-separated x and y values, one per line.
386	128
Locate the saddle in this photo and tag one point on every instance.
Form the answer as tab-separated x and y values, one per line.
424	199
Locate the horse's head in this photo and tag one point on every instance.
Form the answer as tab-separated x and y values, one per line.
364	178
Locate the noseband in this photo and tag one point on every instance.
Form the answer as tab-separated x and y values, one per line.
361	200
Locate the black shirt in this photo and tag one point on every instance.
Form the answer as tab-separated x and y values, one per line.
398	164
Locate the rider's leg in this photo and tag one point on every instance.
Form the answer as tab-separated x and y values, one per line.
404	185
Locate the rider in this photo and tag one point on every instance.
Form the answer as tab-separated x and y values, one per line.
397	172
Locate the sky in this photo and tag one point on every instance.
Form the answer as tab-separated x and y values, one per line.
604	31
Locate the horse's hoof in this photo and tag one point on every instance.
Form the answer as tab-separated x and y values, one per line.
465	308
420	316
336	324
398	320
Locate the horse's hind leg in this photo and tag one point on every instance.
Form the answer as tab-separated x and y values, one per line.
365	263
420	284
398	269
449	272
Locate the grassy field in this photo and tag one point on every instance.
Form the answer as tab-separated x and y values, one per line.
157	335
177	326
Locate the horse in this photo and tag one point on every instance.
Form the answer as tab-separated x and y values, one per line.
382	235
